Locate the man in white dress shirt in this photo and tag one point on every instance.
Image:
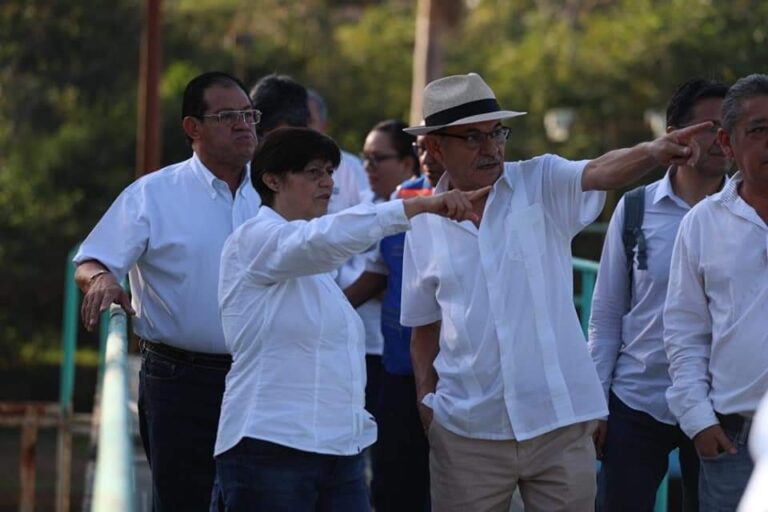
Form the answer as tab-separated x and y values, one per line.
167	230
716	312
499	356
626	331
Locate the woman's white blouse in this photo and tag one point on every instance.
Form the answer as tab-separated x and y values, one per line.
298	346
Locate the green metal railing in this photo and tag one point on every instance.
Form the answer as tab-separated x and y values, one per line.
113	488
587	271
114	482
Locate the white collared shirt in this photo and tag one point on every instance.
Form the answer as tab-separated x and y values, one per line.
626	338
716	313
513	362
298	348
166	230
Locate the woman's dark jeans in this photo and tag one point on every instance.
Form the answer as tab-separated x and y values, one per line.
258	475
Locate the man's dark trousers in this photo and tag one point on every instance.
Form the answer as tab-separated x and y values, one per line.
179	407
635	460
403	483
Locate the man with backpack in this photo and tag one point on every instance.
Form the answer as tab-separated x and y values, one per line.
626	328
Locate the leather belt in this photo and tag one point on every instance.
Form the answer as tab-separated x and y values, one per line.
223	361
731	422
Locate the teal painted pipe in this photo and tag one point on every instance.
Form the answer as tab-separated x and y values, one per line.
69	335
114	480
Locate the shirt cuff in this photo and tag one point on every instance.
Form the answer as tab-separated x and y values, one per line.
391	217
697	419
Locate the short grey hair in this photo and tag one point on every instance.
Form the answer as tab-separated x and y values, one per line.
322	108
732	109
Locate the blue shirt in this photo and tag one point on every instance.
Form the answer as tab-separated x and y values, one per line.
397	338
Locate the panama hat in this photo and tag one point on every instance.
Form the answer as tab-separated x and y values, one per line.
456	100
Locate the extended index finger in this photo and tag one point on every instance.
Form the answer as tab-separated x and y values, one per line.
685	133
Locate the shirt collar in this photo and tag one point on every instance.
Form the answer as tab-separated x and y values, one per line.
209	179
268	213
444	182
730	191
665	187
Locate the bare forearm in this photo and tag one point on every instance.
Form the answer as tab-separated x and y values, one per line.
621	167
425	344
367	286
618	168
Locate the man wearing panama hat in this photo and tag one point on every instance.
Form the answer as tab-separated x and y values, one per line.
499	357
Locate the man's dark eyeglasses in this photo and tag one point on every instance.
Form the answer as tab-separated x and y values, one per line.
475	140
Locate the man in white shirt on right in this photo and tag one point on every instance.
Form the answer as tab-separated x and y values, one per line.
716	312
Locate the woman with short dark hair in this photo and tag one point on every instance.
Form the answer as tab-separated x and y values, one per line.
293	425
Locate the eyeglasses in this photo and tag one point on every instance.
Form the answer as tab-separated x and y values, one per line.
232	117
419	148
475	140
374	159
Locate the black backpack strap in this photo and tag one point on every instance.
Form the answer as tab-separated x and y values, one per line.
632	233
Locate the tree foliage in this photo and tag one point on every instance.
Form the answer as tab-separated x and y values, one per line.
69	79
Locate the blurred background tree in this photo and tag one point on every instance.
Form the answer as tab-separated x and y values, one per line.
68	93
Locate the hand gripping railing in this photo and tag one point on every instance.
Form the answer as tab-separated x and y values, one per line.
113	488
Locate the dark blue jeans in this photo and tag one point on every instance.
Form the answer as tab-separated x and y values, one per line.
403	478
635	460
179	406
258	475
723	479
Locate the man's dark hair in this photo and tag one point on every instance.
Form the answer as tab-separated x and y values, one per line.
322	107
401	141
745	88
282	100
193	103
289	150
690	92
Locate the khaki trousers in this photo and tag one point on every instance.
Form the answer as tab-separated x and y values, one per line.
555	471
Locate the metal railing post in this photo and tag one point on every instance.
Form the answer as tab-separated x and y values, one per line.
114	482
67	386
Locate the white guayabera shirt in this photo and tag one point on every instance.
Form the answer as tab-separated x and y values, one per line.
298	346
513	362
166	230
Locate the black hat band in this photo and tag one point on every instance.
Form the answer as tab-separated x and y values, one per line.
452	114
